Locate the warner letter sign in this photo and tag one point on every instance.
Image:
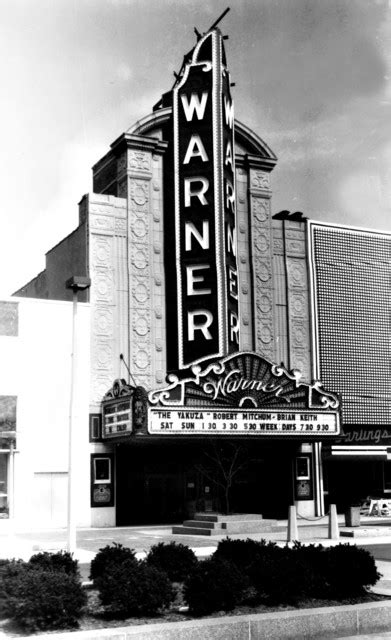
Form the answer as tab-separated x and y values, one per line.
205	207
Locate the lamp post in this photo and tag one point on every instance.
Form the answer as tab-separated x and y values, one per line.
76	284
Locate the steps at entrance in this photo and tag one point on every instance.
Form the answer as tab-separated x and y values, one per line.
217	524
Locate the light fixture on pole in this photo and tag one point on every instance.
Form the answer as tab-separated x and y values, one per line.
76	284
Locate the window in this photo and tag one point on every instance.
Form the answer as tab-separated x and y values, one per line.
101	470
95	427
303	468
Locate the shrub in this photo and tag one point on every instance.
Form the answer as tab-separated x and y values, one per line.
215	585
242	552
349	570
177	560
134	588
8	568
110	556
283	576
43	600
60	561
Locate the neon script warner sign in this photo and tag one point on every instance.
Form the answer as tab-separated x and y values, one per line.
205	213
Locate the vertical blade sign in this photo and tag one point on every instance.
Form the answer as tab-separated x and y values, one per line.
205	207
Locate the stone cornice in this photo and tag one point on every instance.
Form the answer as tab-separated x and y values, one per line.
140	143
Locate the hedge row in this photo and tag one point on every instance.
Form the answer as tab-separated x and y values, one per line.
240	571
46	593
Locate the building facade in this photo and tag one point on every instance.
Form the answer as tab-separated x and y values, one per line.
192	277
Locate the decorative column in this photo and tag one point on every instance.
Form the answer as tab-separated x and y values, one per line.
261	249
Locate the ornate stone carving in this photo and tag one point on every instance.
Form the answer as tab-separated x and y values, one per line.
260	180
103	286
101	383
295	246
265	334
296	272
101	222
265	303
120	226
278	245
101	250
141	359
139	258
139	228
139	192
141	292
102	352
138	161
104	321
260	208
262	271
294	235
297	304
141	325
262	242
299	334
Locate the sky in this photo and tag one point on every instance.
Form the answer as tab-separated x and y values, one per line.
313	80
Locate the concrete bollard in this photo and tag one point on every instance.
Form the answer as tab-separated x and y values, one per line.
292	525
333	523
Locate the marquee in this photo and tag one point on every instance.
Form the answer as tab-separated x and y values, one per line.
243	394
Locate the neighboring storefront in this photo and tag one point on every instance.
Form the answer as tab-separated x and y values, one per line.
35	392
350	280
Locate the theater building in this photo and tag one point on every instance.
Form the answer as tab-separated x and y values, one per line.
214	322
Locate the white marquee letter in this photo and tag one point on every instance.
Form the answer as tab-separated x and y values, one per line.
195	149
230	196
191	230
229	112
231	240
228	155
191	279
201	326
234	327
233	283
194	105
197	192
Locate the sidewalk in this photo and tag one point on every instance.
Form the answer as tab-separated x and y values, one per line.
22	544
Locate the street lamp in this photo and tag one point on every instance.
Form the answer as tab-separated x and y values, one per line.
76	283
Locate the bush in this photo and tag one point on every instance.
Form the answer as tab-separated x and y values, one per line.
177	560
110	556
8	568
215	585
349	570
282	576
242	552
42	600
134	588
60	561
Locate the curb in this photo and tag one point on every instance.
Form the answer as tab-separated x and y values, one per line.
346	620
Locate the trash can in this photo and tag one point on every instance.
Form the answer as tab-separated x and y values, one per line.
352	516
